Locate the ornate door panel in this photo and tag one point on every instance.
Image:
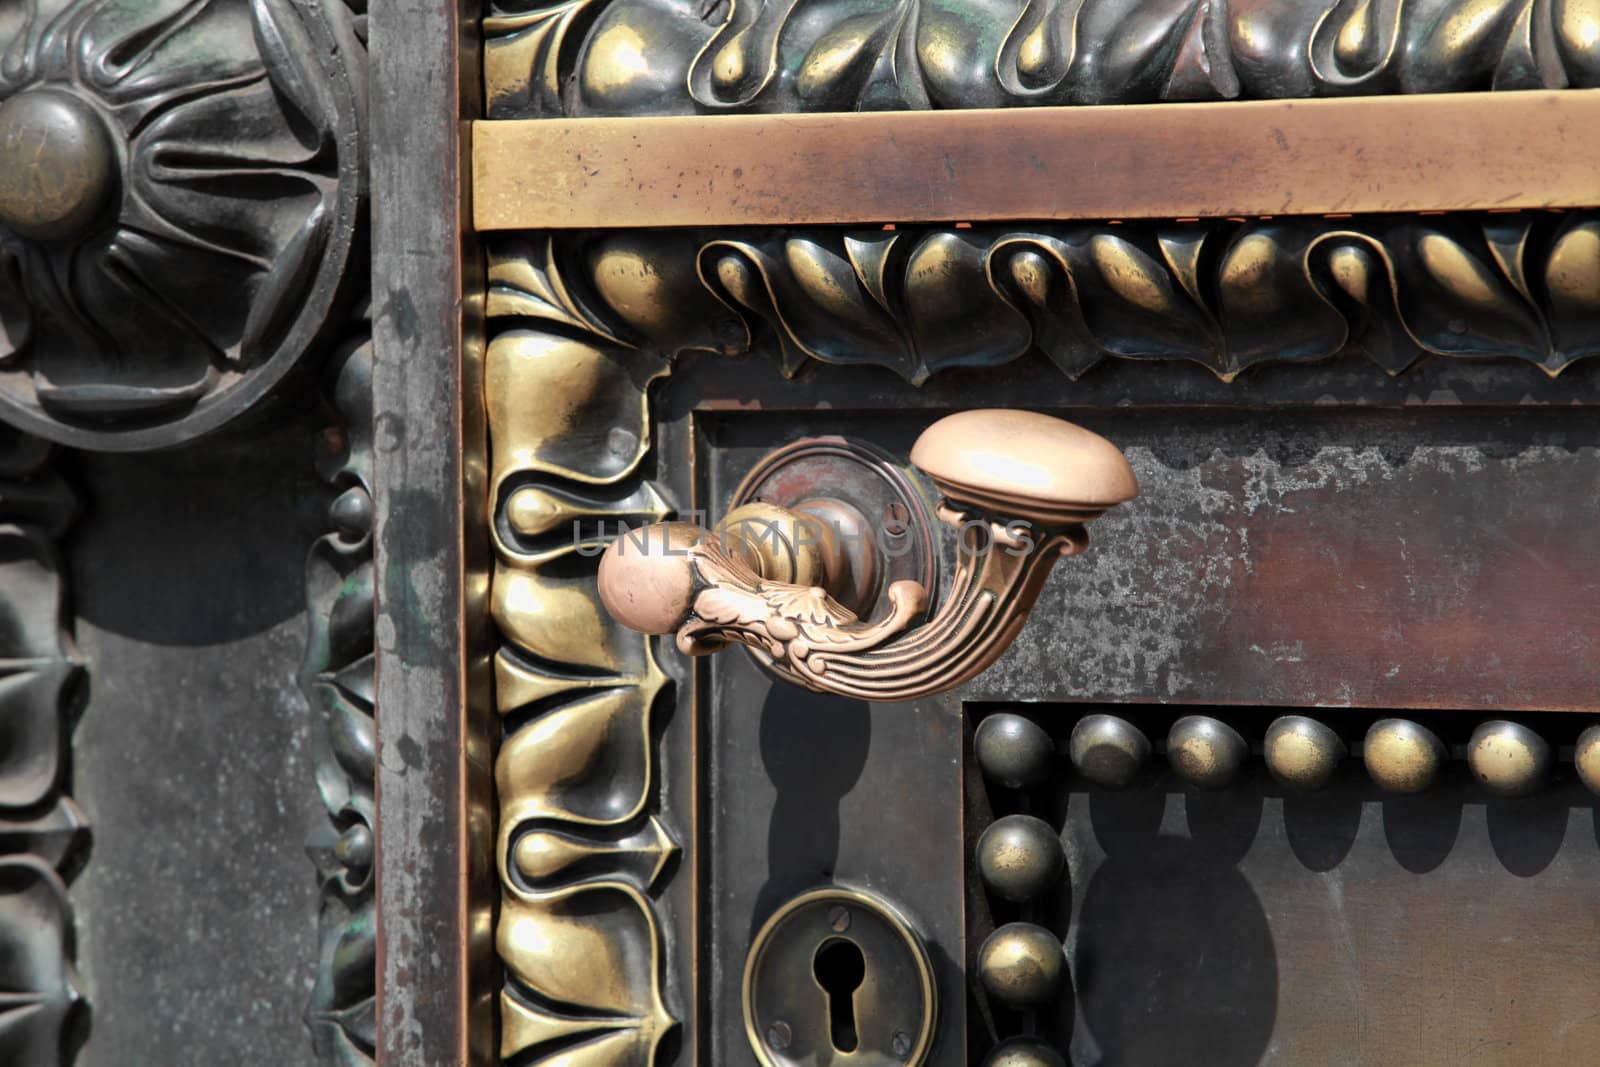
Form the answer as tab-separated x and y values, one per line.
1293	765
932	531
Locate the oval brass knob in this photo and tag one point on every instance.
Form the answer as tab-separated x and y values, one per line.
1017	487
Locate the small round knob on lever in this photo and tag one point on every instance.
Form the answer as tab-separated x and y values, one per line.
1018	486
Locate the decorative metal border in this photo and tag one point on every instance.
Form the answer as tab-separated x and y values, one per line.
646	57
581	325
337	679
1228	295
45	834
579	847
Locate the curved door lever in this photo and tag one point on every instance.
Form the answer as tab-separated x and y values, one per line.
1017	488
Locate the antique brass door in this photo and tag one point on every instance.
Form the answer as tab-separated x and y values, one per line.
840	532
1293	765
1284	770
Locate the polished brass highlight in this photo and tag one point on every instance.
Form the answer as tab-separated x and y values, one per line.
894	1001
1205	752
576	774
1019	857
1302	753
1023	1052
649	57
1018	488
1508	759
44	835
1403	756
1013	751
1108	751
1586	758
1228	295
1456	152
1022	965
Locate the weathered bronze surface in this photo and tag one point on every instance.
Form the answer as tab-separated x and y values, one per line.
1403	756
839	976
640	57
1586	757
1013	751
1107	750
1205	752
1017	487
438	979
45	836
337	678
1508	759
1019	857
1302	753
1023	1052
578	697
1257	922
1282	561
1389	154
1021	964
57	164
1229	296
180	195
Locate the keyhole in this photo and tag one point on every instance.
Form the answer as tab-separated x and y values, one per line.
840	967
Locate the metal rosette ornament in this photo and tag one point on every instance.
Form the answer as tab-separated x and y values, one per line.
180	191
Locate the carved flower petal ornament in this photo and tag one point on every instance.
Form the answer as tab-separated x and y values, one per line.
178	198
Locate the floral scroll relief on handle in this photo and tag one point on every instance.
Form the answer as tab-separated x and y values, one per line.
1018	487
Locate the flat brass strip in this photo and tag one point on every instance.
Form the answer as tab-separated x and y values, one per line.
1462	151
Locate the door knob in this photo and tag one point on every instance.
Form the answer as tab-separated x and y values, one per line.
1017	490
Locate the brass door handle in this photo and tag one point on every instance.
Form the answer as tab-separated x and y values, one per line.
1017	488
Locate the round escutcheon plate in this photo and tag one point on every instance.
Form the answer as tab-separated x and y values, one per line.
877	511
839	976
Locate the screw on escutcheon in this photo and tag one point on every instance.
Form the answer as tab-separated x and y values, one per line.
779	1035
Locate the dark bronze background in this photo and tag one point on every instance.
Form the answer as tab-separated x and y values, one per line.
1344	926
1395	512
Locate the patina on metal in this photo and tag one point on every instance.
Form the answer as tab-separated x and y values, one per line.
839	976
1108	750
1151	867
337	678
648	57
1403	756
181	191
45	835
1302	753
1228	295
57	164
1269	307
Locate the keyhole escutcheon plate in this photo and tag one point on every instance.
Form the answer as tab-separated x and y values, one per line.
839	976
